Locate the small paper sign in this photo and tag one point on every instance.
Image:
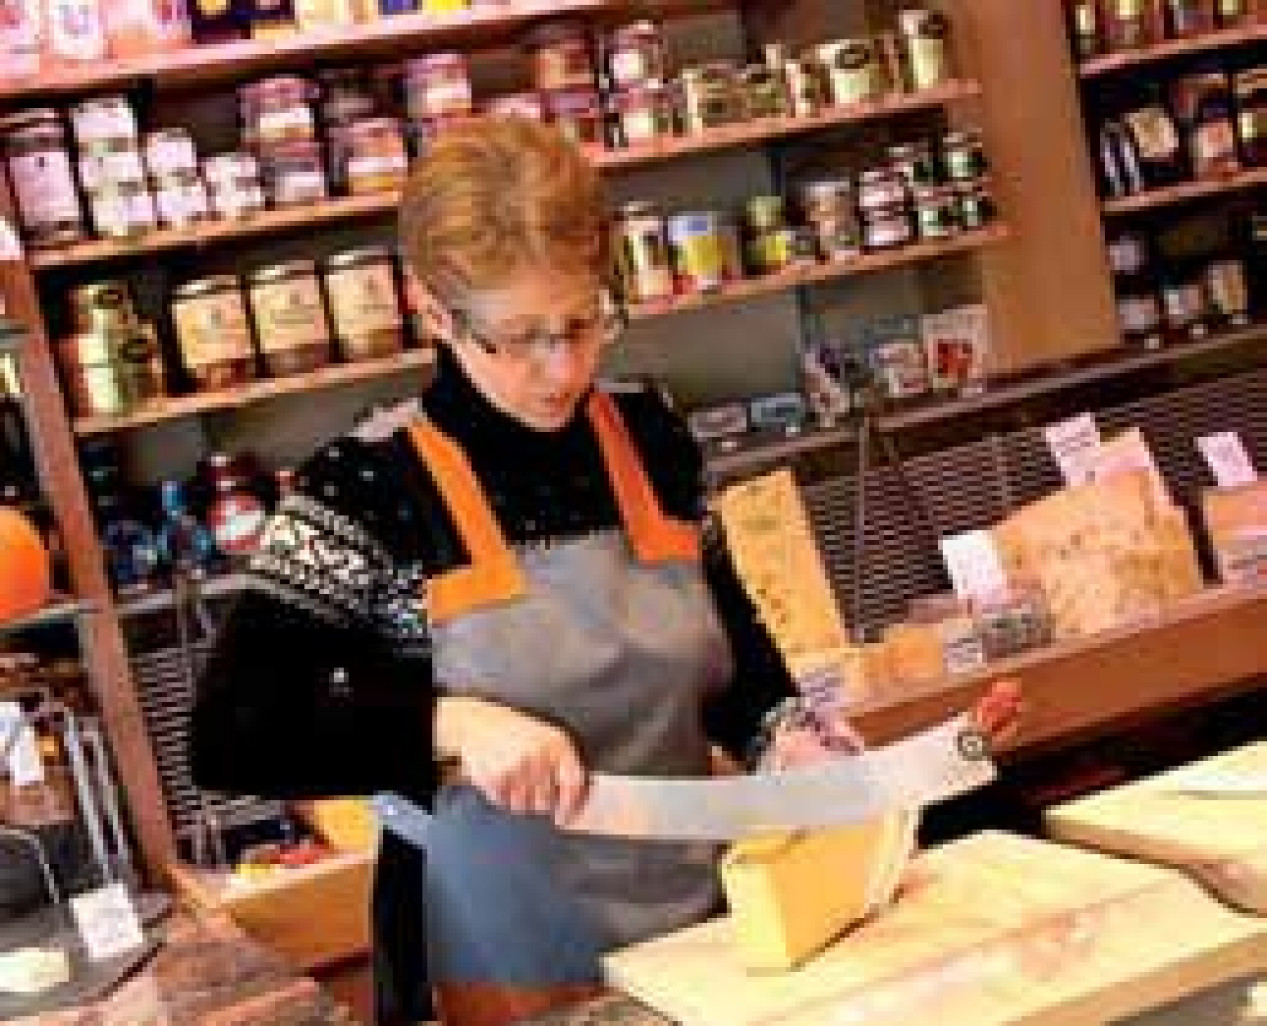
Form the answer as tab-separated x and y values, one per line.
10	243
975	567
17	738
1075	446
107	922
1228	459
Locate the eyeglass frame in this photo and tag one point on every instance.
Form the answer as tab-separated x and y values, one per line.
610	323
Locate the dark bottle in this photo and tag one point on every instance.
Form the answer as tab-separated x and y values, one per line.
185	545
236	516
1085	29
19	479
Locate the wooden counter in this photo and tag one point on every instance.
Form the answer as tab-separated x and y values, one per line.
994	928
1220	840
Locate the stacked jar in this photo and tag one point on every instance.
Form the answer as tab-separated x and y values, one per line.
111	168
36	153
180	194
280	127
234	183
438	93
565	76
636	68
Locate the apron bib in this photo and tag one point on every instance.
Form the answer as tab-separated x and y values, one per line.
614	637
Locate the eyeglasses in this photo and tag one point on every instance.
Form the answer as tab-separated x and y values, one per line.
598	331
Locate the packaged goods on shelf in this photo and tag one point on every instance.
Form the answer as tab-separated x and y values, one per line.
957	348
1236	521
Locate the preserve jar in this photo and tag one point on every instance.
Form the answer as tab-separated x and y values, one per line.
698	246
851	71
560	55
295	173
645	114
376	157
277	110
20	40
1085	29
170	152
236	516
364	304
1251	115
887	227
710	96
1233	13
636	55
829	209
880	188
925	48
324	14
1227	283
214	332
765	93
769	246
937	213
642	254
964	156
102	306
33	145
105	119
233	181
181	199
290	317
437	86
578	114
110	163
976	206
916	163
122	210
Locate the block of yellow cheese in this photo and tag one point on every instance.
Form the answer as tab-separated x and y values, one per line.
348	824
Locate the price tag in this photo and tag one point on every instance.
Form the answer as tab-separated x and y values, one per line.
975	567
107	922
17	737
1228	459
1075	446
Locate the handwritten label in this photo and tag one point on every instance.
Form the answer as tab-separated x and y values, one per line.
107	922
1228	459
17	738
975	567
1075	446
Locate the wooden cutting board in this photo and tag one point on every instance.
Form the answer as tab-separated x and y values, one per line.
1221	841
992	929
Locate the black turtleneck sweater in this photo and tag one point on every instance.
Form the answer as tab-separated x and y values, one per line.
320	683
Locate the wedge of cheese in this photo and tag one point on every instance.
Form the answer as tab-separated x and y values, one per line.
791	895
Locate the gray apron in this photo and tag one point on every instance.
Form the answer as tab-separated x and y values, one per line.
621	651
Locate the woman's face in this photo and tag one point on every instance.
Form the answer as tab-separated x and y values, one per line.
532	345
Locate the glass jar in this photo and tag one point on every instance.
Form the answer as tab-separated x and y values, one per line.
807	88
236	517
181	199
277	110
233	180
1205	110
111	372
438	86
642	255
295	173
214	332
937	213
1250	88
74	32
110	163
901	368
364	305
851	71
645	114
1190	17
578	114
33	145
976	206
137	28
559	52
698	246
170	152
880	188
20	42
290	317
925	48
1233	13
710	96
517	105
887	227
770	246
1227	284
103	120
765	92
828	208
102	306
122	210
964	156
1085	31
917	164
1126	25
1183	300
316	15
637	55
376	157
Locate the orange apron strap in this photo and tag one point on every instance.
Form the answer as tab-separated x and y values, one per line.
656	538
493	574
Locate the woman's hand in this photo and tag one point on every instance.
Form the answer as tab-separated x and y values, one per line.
519	763
998	713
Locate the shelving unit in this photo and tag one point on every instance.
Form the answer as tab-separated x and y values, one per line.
1129	59
1153	199
60	610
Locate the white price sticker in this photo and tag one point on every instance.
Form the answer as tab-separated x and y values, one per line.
975	566
107	922
1228	459
18	740
1075	446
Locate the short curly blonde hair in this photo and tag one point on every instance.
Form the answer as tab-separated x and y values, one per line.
493	195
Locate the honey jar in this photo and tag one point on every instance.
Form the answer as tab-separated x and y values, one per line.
560	57
376	157
364	304
214	332
290	317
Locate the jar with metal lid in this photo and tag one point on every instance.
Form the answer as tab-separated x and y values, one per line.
636	55
1126	25
769	246
698	247
233	181
1250	88
1227	283
880	188
364	303
710	96
111	163
852	71
1084	28
214	332
376	157
887	227
111	372
976	206
290	317
1191	17
102	306
917	164
964	156
437	86
937	213
806	87
645	114
560	56
765	93
122	210
33	145
295	173
181	199
925	47
277	110
642	255
1183	300
1233	13
105	119
829	209
578	114
170	152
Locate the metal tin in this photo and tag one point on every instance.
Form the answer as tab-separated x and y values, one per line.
102	306
852	71
290	317
937	213
34	147
122	210
698	248
170	152
926	47
364	304
103	120
642	255
214	332
111	372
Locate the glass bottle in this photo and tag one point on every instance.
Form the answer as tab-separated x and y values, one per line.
236	517
1126	25
185	545
1085	30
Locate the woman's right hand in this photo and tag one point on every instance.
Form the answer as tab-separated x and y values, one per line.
519	763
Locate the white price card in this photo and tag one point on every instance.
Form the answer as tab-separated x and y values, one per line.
107	922
1228	459
1075	446
17	738
975	566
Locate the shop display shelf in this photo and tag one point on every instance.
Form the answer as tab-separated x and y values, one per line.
794	277
59	610
162	599
1173	48
388	37
351	208
233	398
1153	198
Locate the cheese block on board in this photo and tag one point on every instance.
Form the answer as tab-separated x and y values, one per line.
1220	839
791	895
1236	520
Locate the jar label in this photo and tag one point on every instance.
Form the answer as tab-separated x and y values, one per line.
289	314
928	62
274	124
1154	133
212	330
630	66
437	98
75	30
45	188
103	122
299	186
363	300
1139	314
359	166
171	155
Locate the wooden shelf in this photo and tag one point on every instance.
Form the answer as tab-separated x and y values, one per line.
350	208
58	611
1172	48
1153	198
794	277
233	398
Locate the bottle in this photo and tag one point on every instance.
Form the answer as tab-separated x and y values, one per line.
18	476
133	562
236	516
1138	303
185	545
1085	29
1154	139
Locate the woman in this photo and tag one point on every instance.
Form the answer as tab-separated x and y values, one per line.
512	582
